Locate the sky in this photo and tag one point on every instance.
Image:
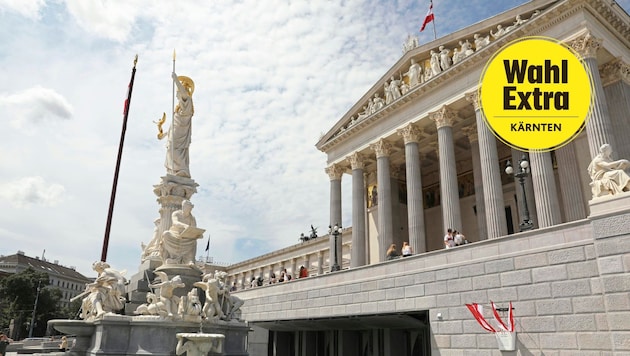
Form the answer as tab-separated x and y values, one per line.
270	77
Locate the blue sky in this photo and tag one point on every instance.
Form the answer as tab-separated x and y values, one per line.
271	77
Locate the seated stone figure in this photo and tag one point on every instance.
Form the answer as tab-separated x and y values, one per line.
105	295
179	243
608	176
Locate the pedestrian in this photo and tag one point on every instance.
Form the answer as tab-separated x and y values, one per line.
449	239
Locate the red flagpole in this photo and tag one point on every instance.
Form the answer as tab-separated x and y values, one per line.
120	149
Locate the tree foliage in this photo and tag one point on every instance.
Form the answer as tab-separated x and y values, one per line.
18	293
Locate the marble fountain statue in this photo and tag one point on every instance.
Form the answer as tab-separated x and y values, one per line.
169	307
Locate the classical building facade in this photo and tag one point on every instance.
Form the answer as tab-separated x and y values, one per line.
66	279
421	159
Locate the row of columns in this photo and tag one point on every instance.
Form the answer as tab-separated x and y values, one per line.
487	175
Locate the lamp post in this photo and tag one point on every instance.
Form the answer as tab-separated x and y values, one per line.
523	171
30	328
335	231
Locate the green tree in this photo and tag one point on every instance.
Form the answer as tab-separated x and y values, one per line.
19	292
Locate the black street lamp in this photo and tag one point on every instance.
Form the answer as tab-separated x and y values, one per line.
523	171
335	231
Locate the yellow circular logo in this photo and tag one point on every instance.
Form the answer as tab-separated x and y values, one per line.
535	94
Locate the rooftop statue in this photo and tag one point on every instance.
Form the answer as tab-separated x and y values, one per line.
608	176
414	74
179	243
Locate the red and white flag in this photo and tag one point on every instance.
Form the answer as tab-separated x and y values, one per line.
477	311
510	325
428	18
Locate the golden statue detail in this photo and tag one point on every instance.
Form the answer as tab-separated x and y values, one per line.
159	124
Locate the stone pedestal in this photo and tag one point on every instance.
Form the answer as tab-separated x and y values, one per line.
170	192
188	274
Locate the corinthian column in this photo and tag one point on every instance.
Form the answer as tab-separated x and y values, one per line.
334	172
385	227
599	126
570	186
480	205
546	195
490	174
415	208
615	77
358	254
451	212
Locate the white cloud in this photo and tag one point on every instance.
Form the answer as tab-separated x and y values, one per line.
27	8
35	105
110	19
30	191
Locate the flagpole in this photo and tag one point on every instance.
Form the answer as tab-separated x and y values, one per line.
208	248
434	33
110	213
172	139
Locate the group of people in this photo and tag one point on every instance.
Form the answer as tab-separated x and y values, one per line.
392	251
454	238
285	276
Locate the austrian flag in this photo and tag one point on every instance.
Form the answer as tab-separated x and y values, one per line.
428	18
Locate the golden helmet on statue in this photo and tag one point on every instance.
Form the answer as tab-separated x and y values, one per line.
187	83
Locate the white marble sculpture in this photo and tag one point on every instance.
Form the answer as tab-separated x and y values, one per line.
608	177
465	50
167	288
456	56
190	306
394	88
179	136
363	114
152	250
105	295
199	344
179	243
230	304
410	43
404	88
435	63
211	308
379	103
500	32
414	74
445	59
153	306
387	93
481	42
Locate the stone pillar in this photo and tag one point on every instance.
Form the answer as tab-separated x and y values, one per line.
385	227
546	195
294	267
359	246
480	206
615	76
451	212
271	271
335	172
320	262
415	206
491	176
306	262
570	186
599	126
529	192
